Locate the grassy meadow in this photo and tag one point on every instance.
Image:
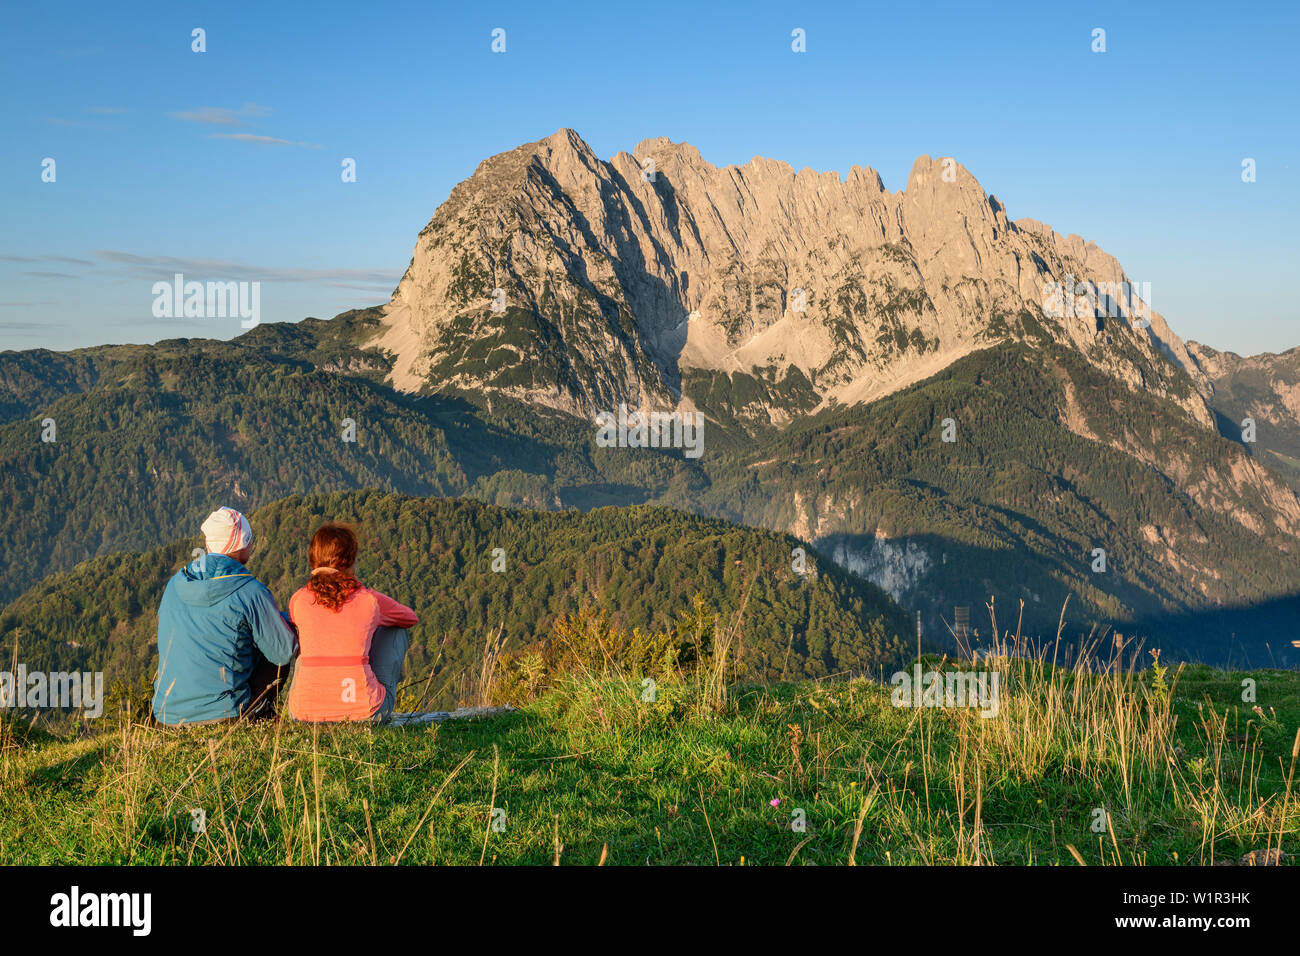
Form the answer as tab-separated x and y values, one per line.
1080	765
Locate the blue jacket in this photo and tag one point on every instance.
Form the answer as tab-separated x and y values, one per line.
214	619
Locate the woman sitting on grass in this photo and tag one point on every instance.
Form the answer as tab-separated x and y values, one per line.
351	639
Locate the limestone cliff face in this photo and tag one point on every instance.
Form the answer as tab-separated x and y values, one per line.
1269	383
1260	389
569	281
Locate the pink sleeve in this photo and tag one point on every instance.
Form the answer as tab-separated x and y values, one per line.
392	614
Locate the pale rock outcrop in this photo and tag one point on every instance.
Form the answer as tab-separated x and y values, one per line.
620	278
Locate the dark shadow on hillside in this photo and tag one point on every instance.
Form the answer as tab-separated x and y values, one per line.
1244	636
642	290
1230	430
934	575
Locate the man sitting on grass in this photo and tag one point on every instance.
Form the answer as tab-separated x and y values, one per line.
223	644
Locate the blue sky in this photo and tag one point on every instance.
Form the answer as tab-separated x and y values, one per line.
225	165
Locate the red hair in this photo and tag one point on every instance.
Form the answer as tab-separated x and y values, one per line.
333	546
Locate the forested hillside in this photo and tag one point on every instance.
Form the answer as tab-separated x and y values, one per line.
642	565
144	437
1051	458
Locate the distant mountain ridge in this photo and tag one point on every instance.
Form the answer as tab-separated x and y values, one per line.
1264	388
153	436
564	280
928	420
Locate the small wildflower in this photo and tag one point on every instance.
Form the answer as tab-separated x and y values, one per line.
775	801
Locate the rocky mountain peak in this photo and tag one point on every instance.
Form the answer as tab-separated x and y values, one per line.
578	283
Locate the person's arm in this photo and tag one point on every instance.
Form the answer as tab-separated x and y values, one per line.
393	614
271	634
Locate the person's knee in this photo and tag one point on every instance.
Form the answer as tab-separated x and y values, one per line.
388	652
391	635
390	643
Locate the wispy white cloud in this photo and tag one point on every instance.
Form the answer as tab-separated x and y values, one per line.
234	118
385	285
93	110
164	267
28	326
262	140
223	116
32	259
115	266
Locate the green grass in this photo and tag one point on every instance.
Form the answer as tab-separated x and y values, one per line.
1188	775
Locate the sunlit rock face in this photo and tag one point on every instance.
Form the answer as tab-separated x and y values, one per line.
578	283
